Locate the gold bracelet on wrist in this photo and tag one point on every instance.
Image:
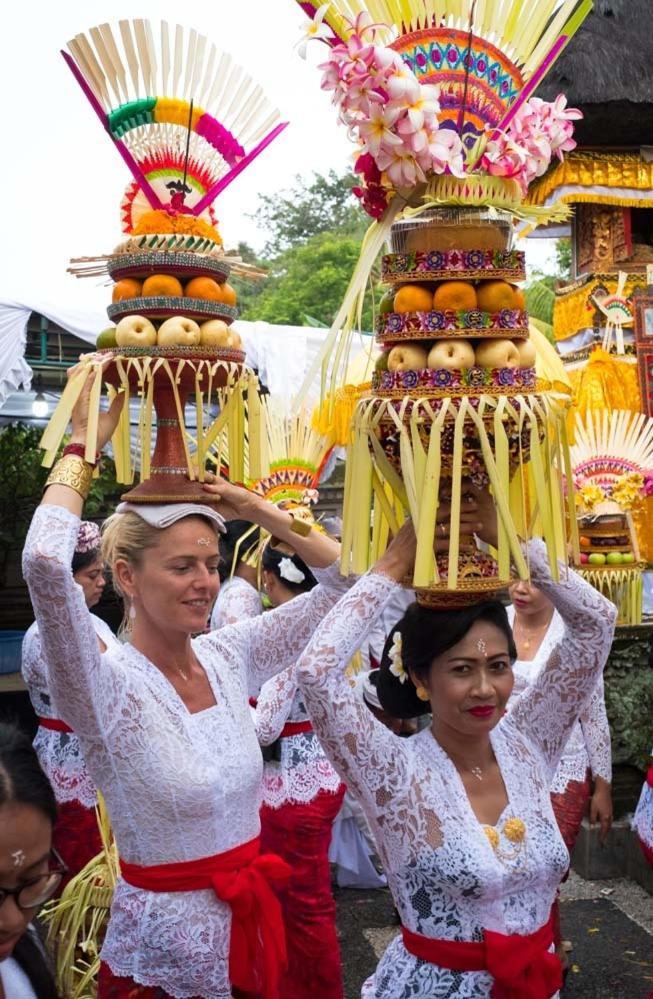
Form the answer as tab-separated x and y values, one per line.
299	526
74	472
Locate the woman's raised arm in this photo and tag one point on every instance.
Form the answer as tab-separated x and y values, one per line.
548	710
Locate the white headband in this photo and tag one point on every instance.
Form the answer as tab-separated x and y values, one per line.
167	514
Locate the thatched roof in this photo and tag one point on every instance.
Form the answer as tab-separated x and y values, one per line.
606	70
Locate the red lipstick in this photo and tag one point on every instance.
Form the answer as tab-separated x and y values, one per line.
483	711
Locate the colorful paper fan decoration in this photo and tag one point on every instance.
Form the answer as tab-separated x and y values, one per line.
186	121
612	461
439	97
184	117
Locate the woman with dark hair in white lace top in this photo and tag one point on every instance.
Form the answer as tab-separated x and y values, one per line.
461	812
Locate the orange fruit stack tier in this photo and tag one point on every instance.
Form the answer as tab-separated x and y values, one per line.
171	291
454	336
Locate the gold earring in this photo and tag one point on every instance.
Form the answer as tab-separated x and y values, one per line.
422	693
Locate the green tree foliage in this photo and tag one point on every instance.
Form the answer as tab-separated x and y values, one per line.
22	481
310	280
314	236
323	203
540	292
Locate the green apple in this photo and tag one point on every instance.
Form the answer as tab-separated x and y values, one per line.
596	558
386	303
614	558
381	363
627	558
107	338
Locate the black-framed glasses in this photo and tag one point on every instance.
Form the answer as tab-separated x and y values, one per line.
36	892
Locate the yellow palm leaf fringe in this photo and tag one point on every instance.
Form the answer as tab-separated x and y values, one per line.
76	921
378	498
623	586
136	377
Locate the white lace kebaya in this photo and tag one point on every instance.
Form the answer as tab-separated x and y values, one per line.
59	753
643	817
589	744
303	770
178	786
447	880
237	601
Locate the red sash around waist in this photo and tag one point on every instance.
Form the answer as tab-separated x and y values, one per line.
295	728
523	967
54	724
242	878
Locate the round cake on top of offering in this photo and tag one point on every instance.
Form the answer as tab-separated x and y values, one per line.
466	394
172	305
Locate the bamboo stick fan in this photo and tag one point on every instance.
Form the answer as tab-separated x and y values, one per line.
610	444
184	117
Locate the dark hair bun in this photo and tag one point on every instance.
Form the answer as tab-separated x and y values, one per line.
425	635
234	545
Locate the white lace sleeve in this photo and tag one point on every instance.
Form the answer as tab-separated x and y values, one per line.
87	696
32	665
368	757
547	711
596	732
237	601
273	706
276	639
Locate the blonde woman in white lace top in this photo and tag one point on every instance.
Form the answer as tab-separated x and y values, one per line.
461	812
164	725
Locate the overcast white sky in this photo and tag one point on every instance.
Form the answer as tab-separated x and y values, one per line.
62	181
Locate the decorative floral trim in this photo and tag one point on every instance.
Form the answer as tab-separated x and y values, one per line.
433	265
195	353
165	306
444	382
166	262
399	325
397	667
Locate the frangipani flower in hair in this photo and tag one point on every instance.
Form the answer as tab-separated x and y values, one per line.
396	661
289	571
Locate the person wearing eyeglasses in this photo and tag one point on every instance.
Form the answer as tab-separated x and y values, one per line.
30	870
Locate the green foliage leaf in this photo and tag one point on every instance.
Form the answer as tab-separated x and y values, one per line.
22	481
323	203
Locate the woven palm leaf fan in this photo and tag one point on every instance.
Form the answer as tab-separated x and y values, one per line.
184	117
612	461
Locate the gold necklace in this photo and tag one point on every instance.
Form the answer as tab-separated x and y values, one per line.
526	636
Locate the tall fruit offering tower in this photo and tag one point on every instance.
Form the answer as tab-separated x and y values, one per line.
439	95
186	121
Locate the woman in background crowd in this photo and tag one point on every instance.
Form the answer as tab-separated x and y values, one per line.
302	795
538	629
76	834
30	871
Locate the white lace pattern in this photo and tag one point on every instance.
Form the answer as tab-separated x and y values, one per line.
446	879
303	770
643	817
59	753
178	786
237	601
589	744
